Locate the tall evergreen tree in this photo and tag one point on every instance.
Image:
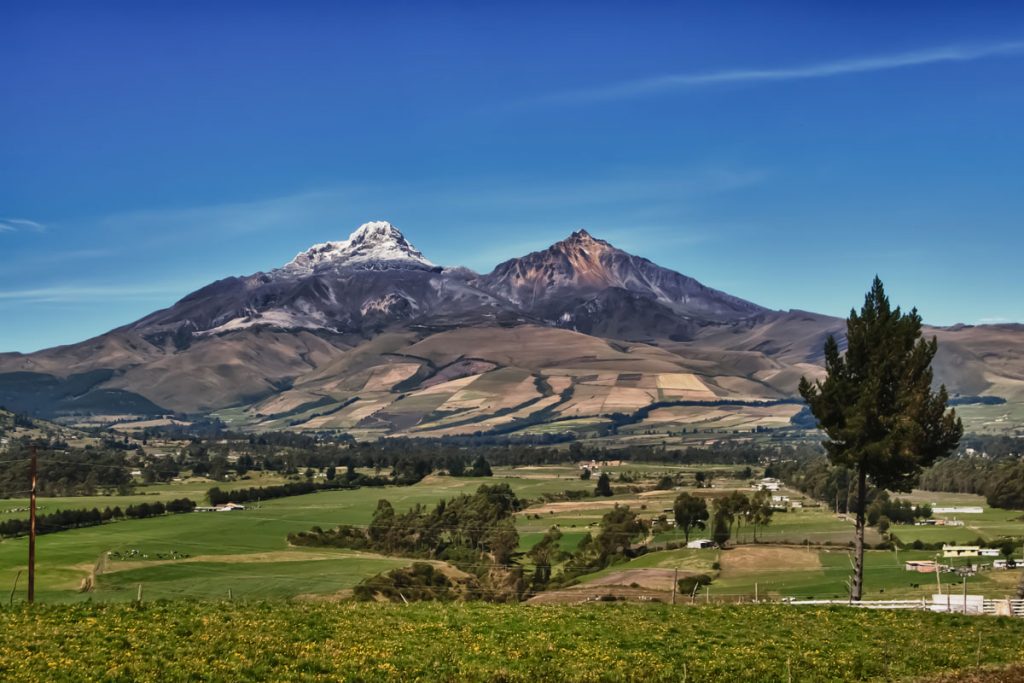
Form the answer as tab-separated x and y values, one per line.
877	407
720	532
604	485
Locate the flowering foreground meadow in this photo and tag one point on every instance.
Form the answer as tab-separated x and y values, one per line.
172	641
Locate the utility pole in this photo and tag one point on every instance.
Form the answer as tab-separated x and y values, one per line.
32	529
965	592
675	582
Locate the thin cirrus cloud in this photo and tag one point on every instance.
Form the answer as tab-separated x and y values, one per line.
16	224
80	294
673	82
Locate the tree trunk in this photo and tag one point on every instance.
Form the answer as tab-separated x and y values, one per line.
857	587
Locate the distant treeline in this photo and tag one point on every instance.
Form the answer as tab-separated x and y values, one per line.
408	460
622	419
298	488
63	520
414	458
1000	480
818	478
66	471
977	400
11	420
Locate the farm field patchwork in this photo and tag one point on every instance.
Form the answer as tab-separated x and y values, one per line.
783	572
206	555
991	524
246	551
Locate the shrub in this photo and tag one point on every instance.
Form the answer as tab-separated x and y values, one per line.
688	584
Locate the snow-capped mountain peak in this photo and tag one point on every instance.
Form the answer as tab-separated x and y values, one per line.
376	245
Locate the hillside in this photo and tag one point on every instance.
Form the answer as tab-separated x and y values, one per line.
370	336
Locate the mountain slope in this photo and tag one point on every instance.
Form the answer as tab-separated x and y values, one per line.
370	281
368	335
587	283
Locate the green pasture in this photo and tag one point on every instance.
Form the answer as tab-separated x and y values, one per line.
808	573
65	558
192	488
247	552
991	525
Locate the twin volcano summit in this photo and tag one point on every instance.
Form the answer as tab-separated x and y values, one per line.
367	335
377	279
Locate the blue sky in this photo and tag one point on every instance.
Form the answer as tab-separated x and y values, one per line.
783	152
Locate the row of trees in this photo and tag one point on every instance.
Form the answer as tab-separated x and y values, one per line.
728	514
351	480
468	530
1000	480
143	510
411	458
65	471
63	520
884	509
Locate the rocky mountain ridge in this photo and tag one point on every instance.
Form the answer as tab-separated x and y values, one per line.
368	334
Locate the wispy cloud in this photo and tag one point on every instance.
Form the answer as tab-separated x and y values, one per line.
70	293
671	82
235	218
16	224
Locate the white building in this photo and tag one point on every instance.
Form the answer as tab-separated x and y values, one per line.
701	543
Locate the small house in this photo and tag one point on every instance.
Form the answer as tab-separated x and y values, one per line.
921	566
961	551
701	543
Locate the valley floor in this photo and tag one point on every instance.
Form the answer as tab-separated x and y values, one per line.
802	554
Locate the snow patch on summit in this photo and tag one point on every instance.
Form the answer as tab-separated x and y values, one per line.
377	245
274	318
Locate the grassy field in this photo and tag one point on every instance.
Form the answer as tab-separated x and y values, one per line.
181	641
194	489
992	419
206	555
775	572
246	552
990	525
